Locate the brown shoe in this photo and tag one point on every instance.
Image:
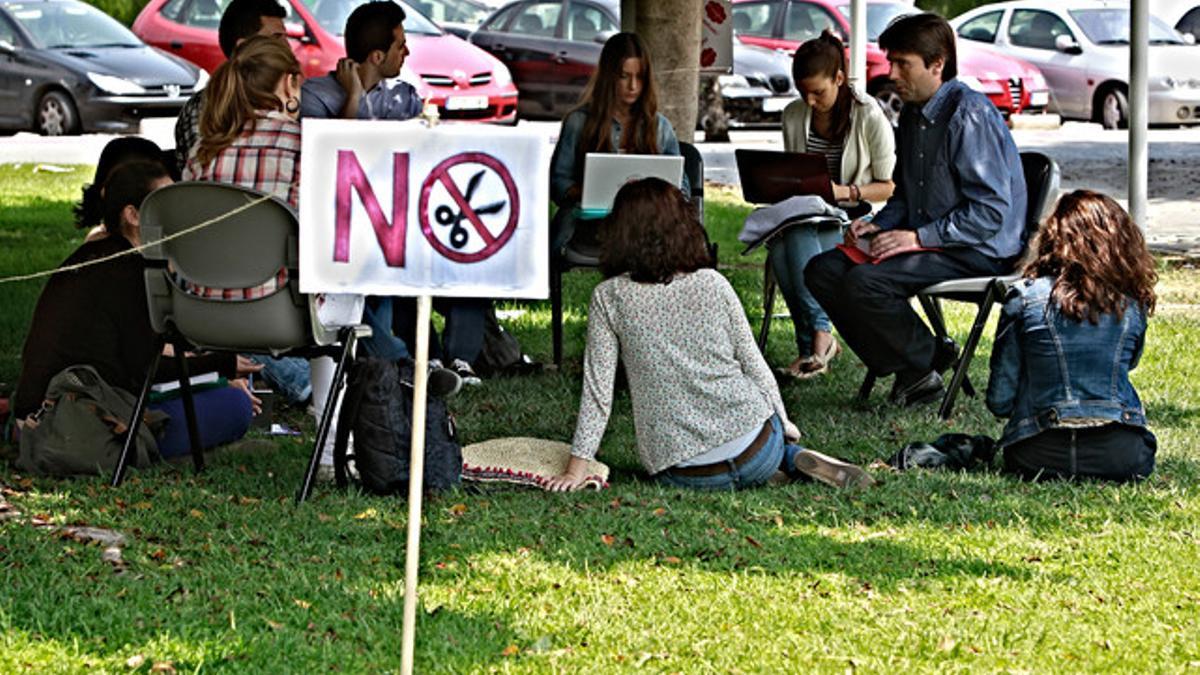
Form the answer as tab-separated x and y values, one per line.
832	471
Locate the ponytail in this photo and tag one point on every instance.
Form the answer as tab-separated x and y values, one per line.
825	55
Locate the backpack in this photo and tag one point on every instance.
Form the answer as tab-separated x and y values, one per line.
378	411
81	426
501	353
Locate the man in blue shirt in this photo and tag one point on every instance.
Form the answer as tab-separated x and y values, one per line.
960	190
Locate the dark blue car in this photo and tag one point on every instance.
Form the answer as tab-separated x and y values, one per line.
66	67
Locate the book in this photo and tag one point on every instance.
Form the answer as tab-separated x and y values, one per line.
202	378
861	252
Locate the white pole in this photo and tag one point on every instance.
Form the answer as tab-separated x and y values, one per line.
1139	105
858	44
416	480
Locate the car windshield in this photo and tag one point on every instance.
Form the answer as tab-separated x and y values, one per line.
332	15
59	25
453	11
1111	27
879	15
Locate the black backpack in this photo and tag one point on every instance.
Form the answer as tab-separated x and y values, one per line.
378	410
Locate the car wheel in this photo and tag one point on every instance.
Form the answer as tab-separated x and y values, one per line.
56	115
889	99
1114	110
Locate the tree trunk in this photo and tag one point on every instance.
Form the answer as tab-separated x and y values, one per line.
712	111
671	30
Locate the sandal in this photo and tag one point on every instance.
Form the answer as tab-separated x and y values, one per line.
796	369
818	364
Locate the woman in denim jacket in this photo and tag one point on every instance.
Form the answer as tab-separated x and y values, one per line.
1070	333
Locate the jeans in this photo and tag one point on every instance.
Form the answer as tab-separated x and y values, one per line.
383	344
777	454
462	338
288	376
1115	452
222	416
789	256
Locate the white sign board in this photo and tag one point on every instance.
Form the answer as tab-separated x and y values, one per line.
396	208
716	37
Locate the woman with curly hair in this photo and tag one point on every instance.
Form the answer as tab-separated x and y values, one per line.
706	410
1070	333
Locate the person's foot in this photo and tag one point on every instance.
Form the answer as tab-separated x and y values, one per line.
818	363
831	471
465	373
443	382
914	388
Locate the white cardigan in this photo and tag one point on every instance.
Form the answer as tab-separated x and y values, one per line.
869	154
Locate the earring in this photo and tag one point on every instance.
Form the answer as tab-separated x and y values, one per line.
292	105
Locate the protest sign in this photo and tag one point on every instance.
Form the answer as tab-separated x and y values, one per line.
391	208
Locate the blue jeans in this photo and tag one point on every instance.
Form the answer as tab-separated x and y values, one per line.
382	344
776	455
288	376
222	416
789	256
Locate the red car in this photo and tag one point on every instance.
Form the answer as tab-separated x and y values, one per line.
1012	85
464	81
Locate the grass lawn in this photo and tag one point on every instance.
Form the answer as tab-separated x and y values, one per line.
929	571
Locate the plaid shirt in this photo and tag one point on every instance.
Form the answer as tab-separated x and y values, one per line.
187	128
265	157
269	287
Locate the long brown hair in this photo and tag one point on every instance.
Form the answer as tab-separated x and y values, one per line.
599	100
653	233
240	88
825	56
1097	255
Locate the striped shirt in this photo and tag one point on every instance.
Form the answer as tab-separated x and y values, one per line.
832	151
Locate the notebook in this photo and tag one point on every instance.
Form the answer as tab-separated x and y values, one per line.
604	174
770	176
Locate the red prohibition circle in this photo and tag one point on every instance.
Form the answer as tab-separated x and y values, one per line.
441	173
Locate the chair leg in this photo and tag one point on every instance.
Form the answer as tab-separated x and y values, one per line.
768	305
933	311
189	407
135	422
864	390
556	310
968	352
348	338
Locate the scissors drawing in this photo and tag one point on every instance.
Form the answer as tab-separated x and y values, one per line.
447	216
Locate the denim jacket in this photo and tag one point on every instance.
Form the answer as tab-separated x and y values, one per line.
566	169
1047	367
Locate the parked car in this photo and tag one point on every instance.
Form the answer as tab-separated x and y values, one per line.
457	17
464	81
67	67
552	47
1082	47
1012	85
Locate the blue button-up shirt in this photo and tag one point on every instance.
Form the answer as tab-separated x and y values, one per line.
394	99
959	181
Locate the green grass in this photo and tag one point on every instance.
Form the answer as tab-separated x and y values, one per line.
929	571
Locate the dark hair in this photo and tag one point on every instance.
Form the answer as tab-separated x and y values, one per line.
242	19
128	185
1097	255
825	56
927	35
600	100
89	212
653	233
370	27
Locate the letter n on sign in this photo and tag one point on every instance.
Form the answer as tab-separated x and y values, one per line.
390	235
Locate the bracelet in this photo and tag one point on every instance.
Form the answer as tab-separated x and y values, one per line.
855	193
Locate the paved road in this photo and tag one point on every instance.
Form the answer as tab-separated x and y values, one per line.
1088	156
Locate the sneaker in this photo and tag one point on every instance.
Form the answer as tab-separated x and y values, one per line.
443	382
466	373
832	471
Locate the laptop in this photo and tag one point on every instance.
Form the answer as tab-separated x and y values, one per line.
770	176
604	174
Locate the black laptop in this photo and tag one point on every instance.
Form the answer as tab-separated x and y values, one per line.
770	176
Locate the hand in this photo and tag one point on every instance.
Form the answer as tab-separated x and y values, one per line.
244	385
842	193
346	74
247	367
571	479
859	228
790	433
893	242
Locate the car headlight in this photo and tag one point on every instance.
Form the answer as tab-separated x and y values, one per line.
732	81
501	76
115	85
971	81
201	80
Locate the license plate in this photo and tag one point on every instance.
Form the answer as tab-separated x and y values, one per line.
466	103
776	103
1039	99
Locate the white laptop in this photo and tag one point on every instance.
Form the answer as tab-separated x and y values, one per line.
604	174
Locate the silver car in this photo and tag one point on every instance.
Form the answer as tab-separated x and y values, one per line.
1082	48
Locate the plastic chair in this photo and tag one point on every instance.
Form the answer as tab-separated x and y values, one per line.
1042	179
567	259
243	250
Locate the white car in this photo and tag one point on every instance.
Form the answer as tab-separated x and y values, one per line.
1082	49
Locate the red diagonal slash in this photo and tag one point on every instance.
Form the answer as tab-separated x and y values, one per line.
466	208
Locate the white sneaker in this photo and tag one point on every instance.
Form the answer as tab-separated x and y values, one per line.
466	373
